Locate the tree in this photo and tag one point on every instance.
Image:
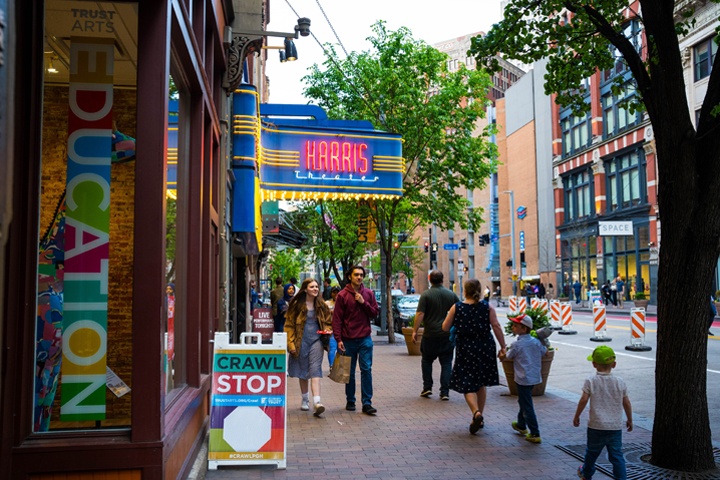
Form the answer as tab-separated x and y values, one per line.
287	263
332	229
689	179
402	85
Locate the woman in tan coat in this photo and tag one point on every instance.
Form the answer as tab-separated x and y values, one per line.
306	317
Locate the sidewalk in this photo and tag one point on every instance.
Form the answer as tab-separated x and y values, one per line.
424	438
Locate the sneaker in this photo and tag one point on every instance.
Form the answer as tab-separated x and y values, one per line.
580	473
350	406
426	393
319	409
305	405
444	397
521	431
533	438
369	409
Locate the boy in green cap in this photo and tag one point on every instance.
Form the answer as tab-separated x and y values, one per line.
608	398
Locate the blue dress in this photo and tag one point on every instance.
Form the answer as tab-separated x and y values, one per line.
308	363
475	356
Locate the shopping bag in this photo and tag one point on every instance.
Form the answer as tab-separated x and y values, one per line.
340	371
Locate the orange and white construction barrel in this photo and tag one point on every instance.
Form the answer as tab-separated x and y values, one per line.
566	318
555	322
600	324
637	331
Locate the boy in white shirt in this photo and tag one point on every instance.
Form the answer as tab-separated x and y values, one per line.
608	398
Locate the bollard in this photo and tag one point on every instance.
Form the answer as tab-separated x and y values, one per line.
512	303
637	331
600	322
555	323
522	304
566	318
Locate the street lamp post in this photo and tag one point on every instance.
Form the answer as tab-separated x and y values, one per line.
512	239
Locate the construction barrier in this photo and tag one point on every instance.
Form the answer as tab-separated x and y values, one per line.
517	304
512	303
522	305
637	331
600	323
555	322
566	319
543	305
534	302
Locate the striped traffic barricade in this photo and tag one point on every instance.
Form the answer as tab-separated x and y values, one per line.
522	304
566	319
555	323
637	331
543	305
534	302
512	303
600	324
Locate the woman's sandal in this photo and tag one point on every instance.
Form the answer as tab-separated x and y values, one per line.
478	422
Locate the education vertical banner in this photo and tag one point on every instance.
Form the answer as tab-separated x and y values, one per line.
248	401
87	229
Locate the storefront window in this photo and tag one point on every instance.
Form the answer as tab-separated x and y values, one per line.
85	255
625	180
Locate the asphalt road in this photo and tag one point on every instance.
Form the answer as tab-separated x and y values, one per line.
570	366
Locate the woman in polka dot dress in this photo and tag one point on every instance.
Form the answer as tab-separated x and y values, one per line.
475	359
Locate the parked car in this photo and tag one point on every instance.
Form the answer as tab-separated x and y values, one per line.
396	294
406	308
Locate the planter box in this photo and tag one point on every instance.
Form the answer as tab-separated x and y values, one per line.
508	368
413	348
641	304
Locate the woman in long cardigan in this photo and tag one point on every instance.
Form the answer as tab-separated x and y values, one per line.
306	317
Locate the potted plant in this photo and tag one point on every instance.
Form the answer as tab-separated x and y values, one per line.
413	348
640	300
541	330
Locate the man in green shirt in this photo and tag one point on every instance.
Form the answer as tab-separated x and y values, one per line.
432	308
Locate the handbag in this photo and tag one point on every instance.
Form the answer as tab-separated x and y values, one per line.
340	371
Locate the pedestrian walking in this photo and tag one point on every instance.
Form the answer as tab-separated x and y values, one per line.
355	306
276	294
608	398
327	289
306	317
527	353
620	287
333	343
577	290
475	364
432	308
541	290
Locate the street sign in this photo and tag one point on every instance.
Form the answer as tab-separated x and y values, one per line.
522	239
451	246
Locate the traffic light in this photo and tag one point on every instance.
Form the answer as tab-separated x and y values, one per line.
481	241
465	269
509	263
463	243
427	247
486	238
402	237
522	257
396	245
434	247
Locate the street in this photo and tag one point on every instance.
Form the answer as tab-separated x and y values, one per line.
570	366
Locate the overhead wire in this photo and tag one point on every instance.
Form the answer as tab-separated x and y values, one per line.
379	115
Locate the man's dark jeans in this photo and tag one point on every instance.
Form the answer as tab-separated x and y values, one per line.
436	348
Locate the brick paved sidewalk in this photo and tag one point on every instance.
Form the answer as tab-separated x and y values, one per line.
421	438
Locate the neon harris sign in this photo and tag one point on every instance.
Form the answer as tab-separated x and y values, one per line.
336	157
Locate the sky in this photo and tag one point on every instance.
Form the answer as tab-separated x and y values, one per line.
430	20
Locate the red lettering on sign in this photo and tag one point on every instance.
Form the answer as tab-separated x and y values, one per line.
347	157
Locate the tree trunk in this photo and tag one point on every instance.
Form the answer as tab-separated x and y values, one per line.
681	437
